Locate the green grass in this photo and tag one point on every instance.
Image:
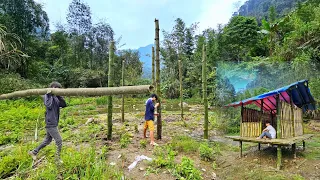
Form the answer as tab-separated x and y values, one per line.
185	144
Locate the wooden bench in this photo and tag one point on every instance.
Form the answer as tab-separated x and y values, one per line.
279	142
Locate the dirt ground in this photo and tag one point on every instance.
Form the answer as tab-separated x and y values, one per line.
254	165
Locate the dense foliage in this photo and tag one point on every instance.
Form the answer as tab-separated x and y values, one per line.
76	54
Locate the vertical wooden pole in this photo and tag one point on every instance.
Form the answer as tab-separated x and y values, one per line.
181	88
153	68
279	156
294	150
278	117
261	109
240	145
110	84
304	145
259	146
122	107
159	120
292	116
241	121
204	90
279	153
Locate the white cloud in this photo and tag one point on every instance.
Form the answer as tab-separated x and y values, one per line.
216	12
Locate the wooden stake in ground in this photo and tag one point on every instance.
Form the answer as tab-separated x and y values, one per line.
153	73
157	43
122	107
181	88
204	90
110	84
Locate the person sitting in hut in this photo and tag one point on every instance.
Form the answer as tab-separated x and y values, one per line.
268	132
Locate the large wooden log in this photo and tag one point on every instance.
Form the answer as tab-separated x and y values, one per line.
144	89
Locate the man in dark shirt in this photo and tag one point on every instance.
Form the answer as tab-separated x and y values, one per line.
149	117
53	104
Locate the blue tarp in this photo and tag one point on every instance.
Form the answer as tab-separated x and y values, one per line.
299	91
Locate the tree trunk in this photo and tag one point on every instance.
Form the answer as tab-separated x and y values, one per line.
110	84
153	73
122	107
204	90
181	88
144	89
157	43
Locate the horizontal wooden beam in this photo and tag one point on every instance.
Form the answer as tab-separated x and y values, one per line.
107	91
286	141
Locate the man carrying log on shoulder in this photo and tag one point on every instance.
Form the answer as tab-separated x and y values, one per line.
53	104
149	118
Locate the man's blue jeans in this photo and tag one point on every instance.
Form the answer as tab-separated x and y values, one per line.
265	133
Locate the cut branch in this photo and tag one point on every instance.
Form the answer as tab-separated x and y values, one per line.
144	89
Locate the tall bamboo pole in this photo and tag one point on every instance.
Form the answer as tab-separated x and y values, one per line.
181	88
110	84
279	153
157	43
153	68
122	107
204	90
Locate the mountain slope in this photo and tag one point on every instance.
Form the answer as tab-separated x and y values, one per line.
145	58
260	8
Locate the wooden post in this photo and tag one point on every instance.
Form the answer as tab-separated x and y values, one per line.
259	146
204	91
304	145
278	117
240	145
181	88
110	84
279	153
159	121
279	156
241	122
294	150
261	109
292	116
122	107
153	68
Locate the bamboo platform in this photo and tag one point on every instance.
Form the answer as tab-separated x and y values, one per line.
279	142
287	141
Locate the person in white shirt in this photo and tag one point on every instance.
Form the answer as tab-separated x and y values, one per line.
268	132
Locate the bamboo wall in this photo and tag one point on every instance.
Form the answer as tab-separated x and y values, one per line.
298	121
251	125
291	121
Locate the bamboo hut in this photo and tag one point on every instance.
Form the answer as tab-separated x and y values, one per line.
283	108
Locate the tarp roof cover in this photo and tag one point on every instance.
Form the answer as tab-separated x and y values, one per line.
301	97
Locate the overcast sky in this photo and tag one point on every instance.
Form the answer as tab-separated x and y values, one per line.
134	19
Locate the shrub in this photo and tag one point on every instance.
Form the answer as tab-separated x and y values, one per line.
206	153
164	156
186	170
10	82
125	140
